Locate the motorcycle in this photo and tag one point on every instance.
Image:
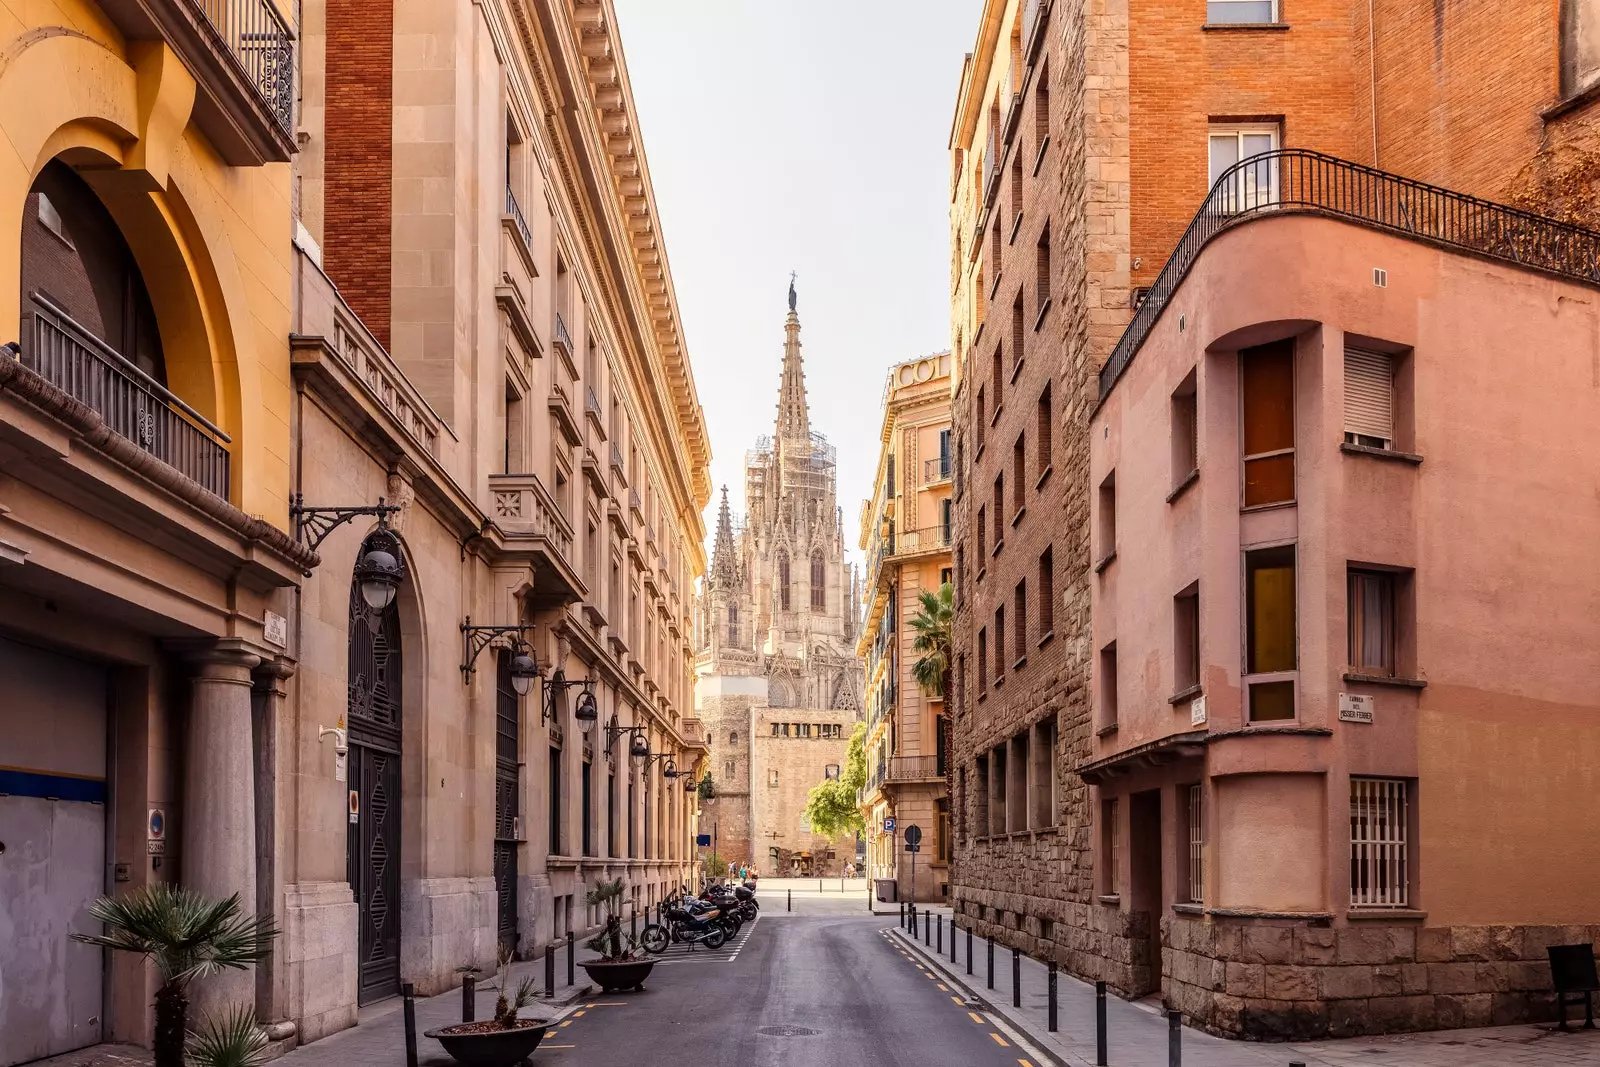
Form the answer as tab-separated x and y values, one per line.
687	921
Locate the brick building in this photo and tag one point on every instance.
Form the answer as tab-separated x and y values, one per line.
1085	139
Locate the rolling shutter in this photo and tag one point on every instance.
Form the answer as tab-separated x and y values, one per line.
1369	394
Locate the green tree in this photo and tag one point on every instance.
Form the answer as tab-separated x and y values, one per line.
186	936
933	624
831	805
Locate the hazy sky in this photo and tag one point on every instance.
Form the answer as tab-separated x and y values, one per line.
807	135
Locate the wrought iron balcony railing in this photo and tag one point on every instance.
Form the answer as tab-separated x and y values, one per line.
936	470
563	338
514	210
1301	181
133	404
913	768
260	41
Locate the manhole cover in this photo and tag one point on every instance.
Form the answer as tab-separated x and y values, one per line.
787	1031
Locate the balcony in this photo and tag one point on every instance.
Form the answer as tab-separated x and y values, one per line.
1035	16
935	471
595	473
532	527
902	770
1014	110
561	408
618	467
241	53
514	212
615	514
592	409
636	506
563	343
134	405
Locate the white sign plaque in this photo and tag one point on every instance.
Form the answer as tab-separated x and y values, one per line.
275	629
1355	707
1197	711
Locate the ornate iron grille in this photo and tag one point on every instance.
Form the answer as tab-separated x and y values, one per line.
507	797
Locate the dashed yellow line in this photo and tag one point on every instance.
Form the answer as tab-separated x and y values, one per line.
566	1022
975	1017
957	1000
943	988
1025	1063
578	1014
1002	1042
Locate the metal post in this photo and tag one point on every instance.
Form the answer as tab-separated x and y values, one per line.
1016	978
1100	1024
902	915
1052	995
789	906
633	922
969	949
572	960
1174	1038
991	961
409	993
469	999
952	939
550	969
940	948
927	927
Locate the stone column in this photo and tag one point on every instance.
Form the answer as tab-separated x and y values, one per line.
219	811
270	693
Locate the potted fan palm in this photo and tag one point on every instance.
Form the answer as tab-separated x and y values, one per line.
503	1040
187	936
622	963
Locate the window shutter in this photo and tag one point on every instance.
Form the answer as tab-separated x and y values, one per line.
1369	394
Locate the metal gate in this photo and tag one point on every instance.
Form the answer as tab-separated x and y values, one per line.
507	797
373	845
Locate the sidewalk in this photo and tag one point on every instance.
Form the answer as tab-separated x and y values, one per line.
1137	1032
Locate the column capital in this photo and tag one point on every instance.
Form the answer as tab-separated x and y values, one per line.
227	660
273	675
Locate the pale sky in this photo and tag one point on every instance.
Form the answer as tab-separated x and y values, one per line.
811	136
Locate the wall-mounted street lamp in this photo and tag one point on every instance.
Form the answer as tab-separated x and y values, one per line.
555	690
669	770
638	747
474	639
381	566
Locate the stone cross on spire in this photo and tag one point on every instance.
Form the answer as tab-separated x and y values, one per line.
794	415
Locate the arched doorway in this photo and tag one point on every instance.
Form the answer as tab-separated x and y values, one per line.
372	855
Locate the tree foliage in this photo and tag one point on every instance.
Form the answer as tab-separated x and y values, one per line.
831	805
933	622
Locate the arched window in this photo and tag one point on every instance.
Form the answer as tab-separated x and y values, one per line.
733	737
733	624
727	769
783	581
819	583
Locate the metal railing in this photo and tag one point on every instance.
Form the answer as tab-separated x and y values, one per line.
1301	181
912	768
260	41
563	338
936	470
514	210
591	402
133	404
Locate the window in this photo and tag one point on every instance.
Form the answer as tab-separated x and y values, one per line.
983	659
513	414
980	795
1016	190
1019	470
613	838
944	454
783	581
1047	596
819	582
1267	388
999	510
999	644
555	802
587	803
778	730
1108	517
1042	774
772	779
1042	431
733	639
1379	872
1108	686
1041	270
983	539
1041	113
831	771
1221	12
997	789
1192	813
728	769
1368	398
982	422
1019	612
1270	648
944	521
998	370
1580	46
1186	639
1018	765
733	737
1255	184
945	574
1018	329
941	832
1110	842
1185	430
1372	622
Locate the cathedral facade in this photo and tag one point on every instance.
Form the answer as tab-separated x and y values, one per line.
777	677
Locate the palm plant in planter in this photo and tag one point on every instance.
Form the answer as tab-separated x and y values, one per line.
622	963
187	936
503	1040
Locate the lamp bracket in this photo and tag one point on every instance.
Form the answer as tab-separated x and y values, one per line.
474	639
312	525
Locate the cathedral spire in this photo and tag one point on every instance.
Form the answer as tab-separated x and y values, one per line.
723	568
794	415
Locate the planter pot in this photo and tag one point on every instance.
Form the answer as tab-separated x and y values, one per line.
489	1048
614	977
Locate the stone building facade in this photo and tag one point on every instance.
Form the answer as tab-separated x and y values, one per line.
905	533
1108	125
775	629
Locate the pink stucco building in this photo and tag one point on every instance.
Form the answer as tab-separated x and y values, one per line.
1346	609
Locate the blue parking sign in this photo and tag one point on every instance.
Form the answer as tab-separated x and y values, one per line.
888	826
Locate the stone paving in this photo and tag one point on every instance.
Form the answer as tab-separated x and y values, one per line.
1138	1035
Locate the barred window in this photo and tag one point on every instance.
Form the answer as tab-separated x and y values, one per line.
1379	867
1196	820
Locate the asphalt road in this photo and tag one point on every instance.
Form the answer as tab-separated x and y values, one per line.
801	991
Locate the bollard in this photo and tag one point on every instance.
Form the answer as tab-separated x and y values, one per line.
969	950
409	993
550	969
927	927
902	915
1052	996
790	905
1016	978
1100	1024
952	939
940	947
819	886
1174	1038
991	961
633	922
469	999
572	960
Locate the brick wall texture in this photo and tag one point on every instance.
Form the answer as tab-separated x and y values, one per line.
359	126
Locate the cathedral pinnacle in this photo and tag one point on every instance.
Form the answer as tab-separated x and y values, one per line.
794	415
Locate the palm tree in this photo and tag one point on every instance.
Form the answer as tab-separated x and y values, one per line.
186	936
933	623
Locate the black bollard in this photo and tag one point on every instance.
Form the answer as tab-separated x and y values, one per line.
572	960
969	949
927	927
789	906
1100	1024
1052	995
633	922
902	915
991	961
550	969
409	993
940	947
952	939
469	999
1174	1038
1016	978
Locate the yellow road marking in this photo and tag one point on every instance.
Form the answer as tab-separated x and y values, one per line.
956	999
577	1014
1025	1063
548	1034
610	1004
943	988
975	1017
1002	1042
566	1022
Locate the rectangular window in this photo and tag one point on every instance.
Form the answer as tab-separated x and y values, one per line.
1267	392
1042	775
999	511
1041	113
1368	398
1019	471
1186	639
944	454
1018	767
555	803
1019	611
1108	685
1107	525
983	540
999	643
1233	12
983	660
514	432
1110	846
1185	432
944	521
999	375
1379	867
1047	595
613	840
1018	330
1041	270
1254	183
1043	431
1016	189
980	795
1270	645
587	802
982	422
1193	818
997	790
1372	622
